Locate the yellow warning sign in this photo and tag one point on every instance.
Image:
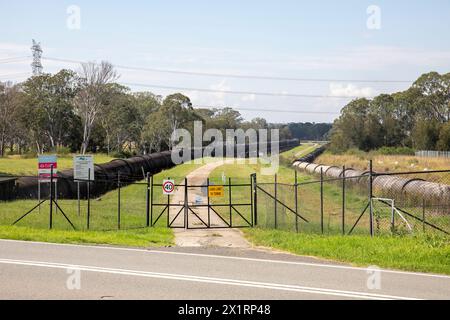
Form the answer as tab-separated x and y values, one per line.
216	192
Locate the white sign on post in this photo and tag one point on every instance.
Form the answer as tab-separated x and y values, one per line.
168	187
82	165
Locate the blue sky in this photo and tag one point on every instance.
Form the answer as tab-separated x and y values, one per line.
302	39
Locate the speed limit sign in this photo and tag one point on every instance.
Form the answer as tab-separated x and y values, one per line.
168	187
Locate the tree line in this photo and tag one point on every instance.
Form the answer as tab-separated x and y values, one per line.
88	111
417	118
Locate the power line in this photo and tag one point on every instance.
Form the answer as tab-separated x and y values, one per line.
15	75
12	60
270	94
269	110
237	76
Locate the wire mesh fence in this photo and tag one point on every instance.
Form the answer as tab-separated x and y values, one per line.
374	204
133	205
368	204
125	206
412	202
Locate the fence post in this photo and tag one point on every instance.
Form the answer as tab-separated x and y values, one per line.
343	200
370	197
78	198
251	202
186	204
168	209
89	199
423	216
152	184
393	221
118	200
296	201
230	202
147	203
209	202
51	197
276	201
255	198
321	201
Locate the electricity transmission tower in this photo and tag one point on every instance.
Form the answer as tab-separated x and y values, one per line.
36	65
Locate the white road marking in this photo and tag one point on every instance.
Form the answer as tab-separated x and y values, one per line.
222	281
306	264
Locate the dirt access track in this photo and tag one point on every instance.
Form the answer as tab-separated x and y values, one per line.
231	238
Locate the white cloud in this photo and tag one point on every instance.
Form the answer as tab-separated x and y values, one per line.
219	97
350	90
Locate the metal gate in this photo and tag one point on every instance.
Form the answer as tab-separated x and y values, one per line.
203	206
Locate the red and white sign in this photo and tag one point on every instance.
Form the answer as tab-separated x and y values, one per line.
168	187
46	163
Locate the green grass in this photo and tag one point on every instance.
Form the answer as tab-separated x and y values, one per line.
103	218
308	199
419	254
290	156
16	165
104	210
152	237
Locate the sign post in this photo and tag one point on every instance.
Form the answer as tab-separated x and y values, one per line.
47	165
83	171
47	173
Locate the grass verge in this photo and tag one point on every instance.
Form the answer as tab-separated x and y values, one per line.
152	237
17	165
418	254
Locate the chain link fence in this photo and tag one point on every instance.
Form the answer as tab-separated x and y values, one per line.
368	204
372	203
125	207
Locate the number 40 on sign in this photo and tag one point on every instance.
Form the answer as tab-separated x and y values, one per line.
168	187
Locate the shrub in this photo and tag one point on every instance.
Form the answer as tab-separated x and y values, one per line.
396	151
122	155
63	150
30	155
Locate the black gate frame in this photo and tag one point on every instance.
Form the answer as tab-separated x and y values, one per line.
189	209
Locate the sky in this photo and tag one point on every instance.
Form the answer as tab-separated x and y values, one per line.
339	43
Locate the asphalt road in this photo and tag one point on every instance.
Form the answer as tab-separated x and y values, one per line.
43	271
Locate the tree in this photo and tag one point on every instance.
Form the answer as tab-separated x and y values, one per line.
50	110
89	100
426	134
120	118
443	143
9	106
349	130
435	90
155	132
178	111
310	131
412	118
